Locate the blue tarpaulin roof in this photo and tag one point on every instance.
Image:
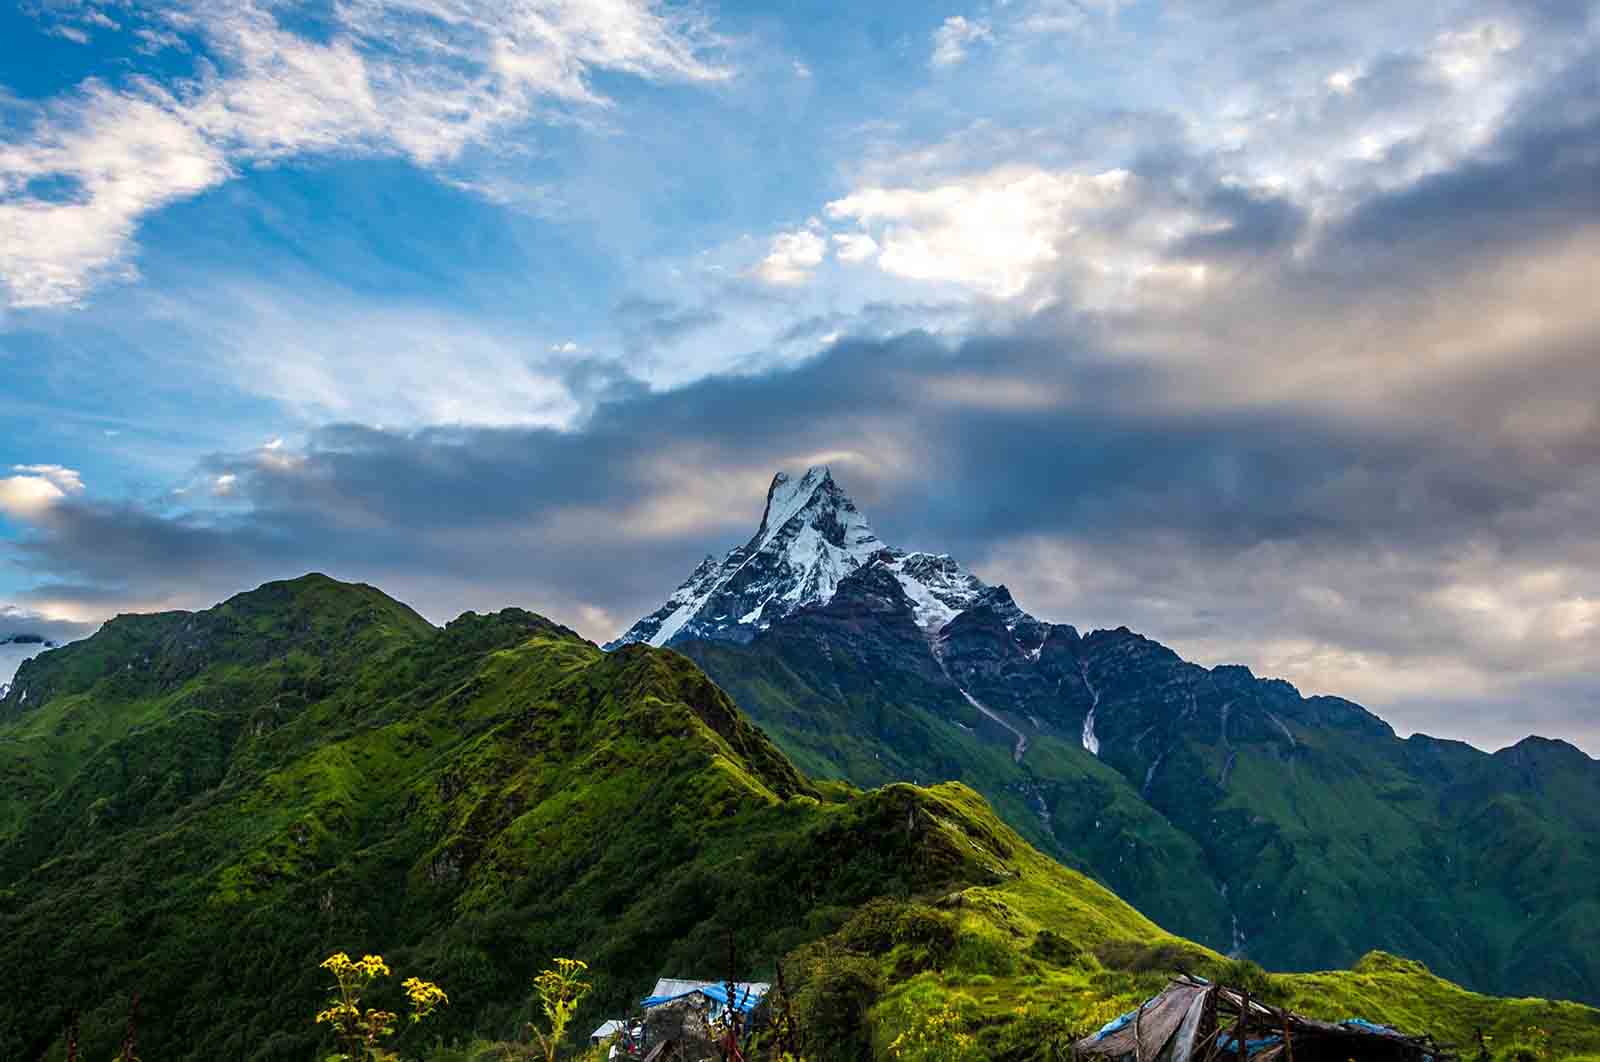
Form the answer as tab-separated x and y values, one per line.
1229	1046
1114	1024
745	999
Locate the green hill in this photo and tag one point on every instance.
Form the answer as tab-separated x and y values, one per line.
199	807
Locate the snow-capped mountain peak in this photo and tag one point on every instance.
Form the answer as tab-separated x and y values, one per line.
811	536
787	496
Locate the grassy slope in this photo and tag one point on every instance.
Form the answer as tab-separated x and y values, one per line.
314	769
873	726
471	800
1016	992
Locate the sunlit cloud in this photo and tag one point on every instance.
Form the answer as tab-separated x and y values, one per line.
792	257
36	488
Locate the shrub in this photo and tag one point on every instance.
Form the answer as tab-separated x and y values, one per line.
927	931
873	928
983	953
918	936
1054	948
1167	956
831	1006
1532	1044
1249	976
1031	1037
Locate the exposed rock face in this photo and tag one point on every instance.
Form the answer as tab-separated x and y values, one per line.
869	620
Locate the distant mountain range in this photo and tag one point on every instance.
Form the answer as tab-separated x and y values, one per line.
1297	831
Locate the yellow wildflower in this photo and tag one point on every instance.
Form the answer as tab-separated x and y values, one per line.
373	966
425	997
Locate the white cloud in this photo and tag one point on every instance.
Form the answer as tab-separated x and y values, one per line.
419	78
990	232
67	480
954	36
71	33
855	246
1468	55
125	154
1343	81
791	257
36	488
1401	102
25	496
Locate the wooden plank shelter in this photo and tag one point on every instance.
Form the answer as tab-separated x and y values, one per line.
1195	1020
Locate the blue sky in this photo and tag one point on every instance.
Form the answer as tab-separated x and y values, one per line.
1265	328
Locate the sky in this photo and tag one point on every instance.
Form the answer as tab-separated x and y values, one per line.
1266	328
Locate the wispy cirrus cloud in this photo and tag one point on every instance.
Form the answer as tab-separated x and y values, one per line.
955	36
419	80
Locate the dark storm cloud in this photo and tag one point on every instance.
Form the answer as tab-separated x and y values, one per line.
1542	175
473	502
1253	224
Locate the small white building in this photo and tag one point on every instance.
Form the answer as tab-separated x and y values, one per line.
606	1031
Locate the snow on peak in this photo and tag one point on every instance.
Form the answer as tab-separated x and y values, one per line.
811	537
940	589
787	496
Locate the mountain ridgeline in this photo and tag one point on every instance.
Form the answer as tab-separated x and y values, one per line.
1298	831
199	807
